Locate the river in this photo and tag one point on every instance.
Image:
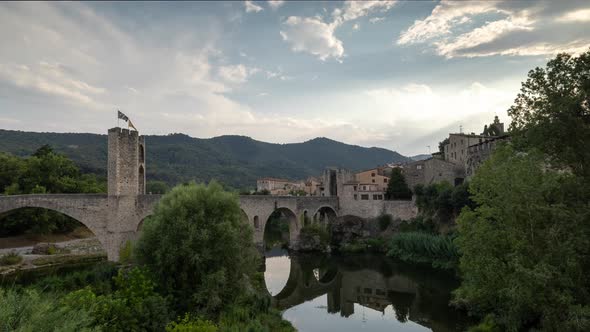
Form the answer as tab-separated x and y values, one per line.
360	293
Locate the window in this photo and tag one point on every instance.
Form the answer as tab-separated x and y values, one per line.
419	167
355	197
368	291
365	188
373	174
378	197
375	197
364	197
385	180
373	180
354	188
380	292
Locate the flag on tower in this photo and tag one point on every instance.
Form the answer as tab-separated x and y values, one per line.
122	116
130	124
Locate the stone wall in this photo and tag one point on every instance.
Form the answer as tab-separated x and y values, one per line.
432	170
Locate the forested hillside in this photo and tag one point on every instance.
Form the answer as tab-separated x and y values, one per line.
236	161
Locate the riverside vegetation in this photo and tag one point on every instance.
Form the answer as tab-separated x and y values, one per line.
193	269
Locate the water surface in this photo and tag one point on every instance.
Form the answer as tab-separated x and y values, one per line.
360	293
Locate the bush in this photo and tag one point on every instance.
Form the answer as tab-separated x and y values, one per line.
373	245
316	229
198	248
125	254
134	306
436	250
189	324
10	259
384	221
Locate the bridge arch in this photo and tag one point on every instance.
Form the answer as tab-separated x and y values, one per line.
291	218
324	214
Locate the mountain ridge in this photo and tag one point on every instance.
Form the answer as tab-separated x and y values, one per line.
233	160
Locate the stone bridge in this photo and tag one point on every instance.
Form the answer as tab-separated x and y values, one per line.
117	219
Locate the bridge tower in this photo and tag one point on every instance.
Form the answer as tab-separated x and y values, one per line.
126	162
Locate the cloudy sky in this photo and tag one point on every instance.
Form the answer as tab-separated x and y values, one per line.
398	75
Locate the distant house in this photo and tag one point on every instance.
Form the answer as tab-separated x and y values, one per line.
279	187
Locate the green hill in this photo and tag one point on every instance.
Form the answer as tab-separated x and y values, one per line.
236	161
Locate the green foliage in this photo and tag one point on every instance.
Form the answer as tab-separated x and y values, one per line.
530	232
316	229
441	145
198	248
384	221
11	258
421	223
126	252
488	324
99	278
552	112
240	318
31	310
441	202
397	188
43	172
190	324
157	187
276	231
436	250
236	160
134	306
370	245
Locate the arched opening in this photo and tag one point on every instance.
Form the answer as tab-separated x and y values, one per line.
141	179
141	154
256	223
306	220
325	215
33	231
277	229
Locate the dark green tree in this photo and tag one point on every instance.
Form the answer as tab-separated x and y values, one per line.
397	188
198	247
525	247
157	187
552	112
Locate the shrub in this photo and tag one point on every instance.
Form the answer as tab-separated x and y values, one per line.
436	250
198	248
126	252
11	258
134	306
189	324
384	221
316	229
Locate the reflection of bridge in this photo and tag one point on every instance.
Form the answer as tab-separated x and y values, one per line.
377	283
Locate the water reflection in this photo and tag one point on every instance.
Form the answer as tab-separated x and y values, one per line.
356	292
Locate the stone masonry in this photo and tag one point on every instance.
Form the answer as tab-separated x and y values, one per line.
116	217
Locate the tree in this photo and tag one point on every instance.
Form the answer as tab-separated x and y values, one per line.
198	247
552	112
441	145
525	248
157	187
397	188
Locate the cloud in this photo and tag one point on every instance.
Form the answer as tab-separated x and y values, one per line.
581	15
275	4
356	26
312	35
251	7
52	80
374	20
316	36
465	29
236	73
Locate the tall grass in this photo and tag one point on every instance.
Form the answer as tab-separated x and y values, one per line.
436	250
31	310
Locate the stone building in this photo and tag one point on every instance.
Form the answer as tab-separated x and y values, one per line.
478	153
433	170
279	187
